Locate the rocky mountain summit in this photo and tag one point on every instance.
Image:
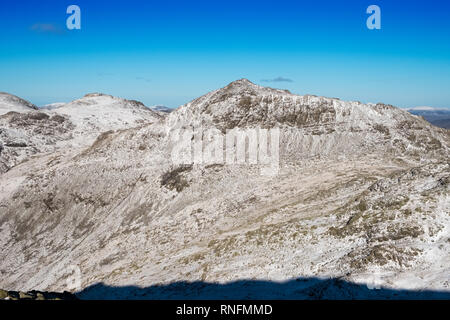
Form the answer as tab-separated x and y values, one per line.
362	195
313	126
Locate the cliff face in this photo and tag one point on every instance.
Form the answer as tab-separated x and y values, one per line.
362	194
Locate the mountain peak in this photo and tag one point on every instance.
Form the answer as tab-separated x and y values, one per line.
245	86
241	84
103	99
242	81
97	94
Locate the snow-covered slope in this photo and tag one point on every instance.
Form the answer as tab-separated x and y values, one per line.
362	195
96	113
9	102
64	126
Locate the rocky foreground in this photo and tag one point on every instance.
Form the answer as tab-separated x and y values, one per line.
35	295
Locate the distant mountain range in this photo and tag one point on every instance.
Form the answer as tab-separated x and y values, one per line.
162	109
440	117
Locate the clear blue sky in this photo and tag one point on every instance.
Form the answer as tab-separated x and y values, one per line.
169	52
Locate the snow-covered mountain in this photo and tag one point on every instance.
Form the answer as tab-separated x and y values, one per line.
67	126
96	113
310	125
9	102
362	194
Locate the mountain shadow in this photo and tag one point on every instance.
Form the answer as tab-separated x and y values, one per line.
300	288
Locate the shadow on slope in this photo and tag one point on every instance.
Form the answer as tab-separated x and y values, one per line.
301	288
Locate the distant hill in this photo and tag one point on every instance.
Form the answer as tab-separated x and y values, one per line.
439	117
10	102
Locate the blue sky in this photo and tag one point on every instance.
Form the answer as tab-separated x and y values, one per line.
170	52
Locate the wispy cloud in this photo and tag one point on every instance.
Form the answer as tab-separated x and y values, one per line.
143	79
47	28
278	79
104	74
